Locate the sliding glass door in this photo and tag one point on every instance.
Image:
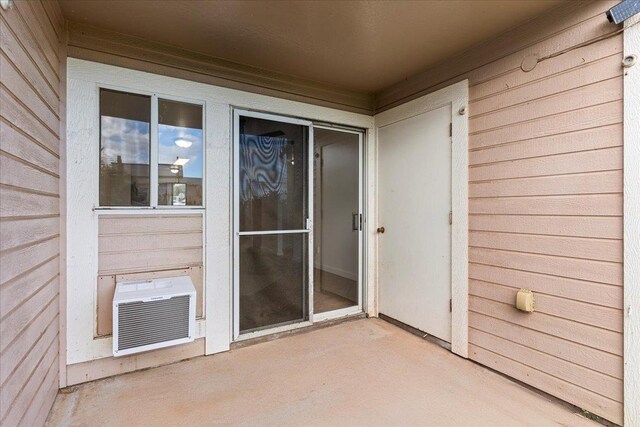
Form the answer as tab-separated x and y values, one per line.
297	223
337	222
272	221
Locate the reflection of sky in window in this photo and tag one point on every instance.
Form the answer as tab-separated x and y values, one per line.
168	151
128	139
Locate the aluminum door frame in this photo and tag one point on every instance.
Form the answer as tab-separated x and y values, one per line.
356	309
237	113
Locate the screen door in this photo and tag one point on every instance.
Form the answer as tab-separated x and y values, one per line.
272	224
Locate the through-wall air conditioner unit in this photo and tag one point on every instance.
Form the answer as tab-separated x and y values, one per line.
152	314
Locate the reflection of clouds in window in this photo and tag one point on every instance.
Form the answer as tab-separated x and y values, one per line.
168	151
128	139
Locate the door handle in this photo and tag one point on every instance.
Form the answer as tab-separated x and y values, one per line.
380	230
355	222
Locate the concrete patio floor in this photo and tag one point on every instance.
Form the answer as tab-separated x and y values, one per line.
356	373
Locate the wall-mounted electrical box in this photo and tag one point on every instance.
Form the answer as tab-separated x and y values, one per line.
525	300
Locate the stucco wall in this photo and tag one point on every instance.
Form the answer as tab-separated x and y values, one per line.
31	108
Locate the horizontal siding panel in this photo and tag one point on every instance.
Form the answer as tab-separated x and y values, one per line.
138	247
579	58
144	242
28	402
54	16
21	232
19	174
19	57
22	260
13	293
49	35
586	80
582	97
579	290
13	323
25	120
570	121
589	400
44	351
20	145
41	35
584	183
589	314
20	88
576	226
574	247
580	140
591	336
30	98
590	28
26	41
17	203
150	260
593	271
588	379
46	395
15	353
590	204
151	224
546	35
586	161
596	360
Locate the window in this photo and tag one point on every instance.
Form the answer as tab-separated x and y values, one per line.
125	146
129	172
179	153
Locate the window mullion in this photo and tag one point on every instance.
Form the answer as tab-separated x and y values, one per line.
154	152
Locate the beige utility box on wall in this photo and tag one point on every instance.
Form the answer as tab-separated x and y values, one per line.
525	300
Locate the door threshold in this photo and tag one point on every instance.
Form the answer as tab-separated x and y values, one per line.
298	328
336	314
442	343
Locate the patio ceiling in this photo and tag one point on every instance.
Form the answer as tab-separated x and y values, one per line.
362	46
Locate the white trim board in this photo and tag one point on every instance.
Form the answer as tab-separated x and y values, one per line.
632	225
456	95
83	78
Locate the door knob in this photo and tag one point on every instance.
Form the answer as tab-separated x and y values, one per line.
381	230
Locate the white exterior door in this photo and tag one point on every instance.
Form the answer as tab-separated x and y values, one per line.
414	204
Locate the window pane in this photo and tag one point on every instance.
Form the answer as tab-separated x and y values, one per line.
124	148
273	280
179	153
273	175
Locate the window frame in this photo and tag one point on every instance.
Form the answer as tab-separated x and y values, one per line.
154	146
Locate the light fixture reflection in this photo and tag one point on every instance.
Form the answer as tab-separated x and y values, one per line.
183	143
180	161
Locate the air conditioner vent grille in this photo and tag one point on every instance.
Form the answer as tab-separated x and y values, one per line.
151	322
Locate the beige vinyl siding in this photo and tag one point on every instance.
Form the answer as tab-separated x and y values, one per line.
31	108
136	247
545	202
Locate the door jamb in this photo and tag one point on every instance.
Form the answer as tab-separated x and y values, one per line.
631	218
457	96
